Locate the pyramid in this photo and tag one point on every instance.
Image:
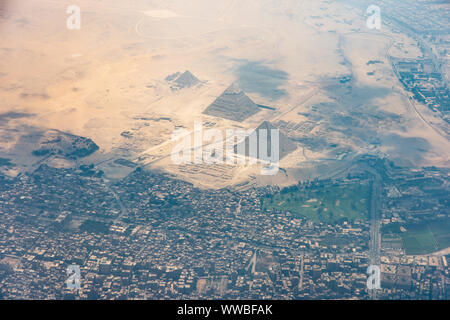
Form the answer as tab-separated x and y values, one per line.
173	76
286	145
232	104
186	80
182	80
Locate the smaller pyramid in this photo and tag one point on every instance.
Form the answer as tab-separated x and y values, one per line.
182	80
232	104
187	80
285	144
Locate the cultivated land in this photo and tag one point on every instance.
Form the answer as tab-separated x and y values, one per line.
323	203
425	237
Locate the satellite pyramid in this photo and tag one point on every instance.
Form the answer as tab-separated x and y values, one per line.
173	76
232	104
285	144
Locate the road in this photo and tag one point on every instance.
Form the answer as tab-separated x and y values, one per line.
375	224
123	209
300	283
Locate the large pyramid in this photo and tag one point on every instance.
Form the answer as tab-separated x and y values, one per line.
232	104
286	145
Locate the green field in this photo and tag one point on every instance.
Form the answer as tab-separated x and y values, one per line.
426	238
329	203
423	238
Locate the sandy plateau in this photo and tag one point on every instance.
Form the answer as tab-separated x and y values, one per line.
107	82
